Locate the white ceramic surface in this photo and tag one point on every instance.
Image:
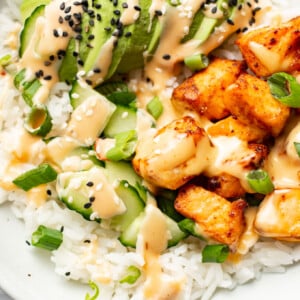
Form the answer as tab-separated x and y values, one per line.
27	273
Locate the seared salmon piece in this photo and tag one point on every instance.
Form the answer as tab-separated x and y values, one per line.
231	126
269	50
225	185
278	215
219	219
204	91
174	154
249	100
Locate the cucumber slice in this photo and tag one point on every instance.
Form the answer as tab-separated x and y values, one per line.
134	206
28	29
123	119
129	237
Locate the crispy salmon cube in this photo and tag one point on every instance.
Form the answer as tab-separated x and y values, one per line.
204	91
278	215
218	218
175	154
225	185
270	50
249	99
231	126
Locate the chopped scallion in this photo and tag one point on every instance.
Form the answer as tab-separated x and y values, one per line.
285	88
38	121
133	274
260	181
44	173
124	147
155	107
5	60
215	253
196	62
297	147
95	288
47	238
30	88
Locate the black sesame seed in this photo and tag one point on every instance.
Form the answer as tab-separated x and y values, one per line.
27	242
89	82
91	12
71	23
112	22
52	57
91	37
232	3
97	70
60	20
252	21
245	29
62	228
136	7
240	7
48	77
75	54
90	183
91	22
128	34
68	17
65	34
47	63
117	12
124	5
67	273
116	43
68	9
87	241
158	13
77	29
255	10
61	52
77	16
62	6
98	17
80	62
87	205
55	33
92	199
90	46
115	2
214	10
76	3
249	4
49	192
230	22
78	37
107	29
98	6
256	1
238	31
166	56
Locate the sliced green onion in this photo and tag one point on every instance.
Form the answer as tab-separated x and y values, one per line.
47	238
133	274
215	253
38	121
297	147
155	107
174	2
260	181
196	62
5	60
95	288
44	173
19	78
189	226
285	88
124	147
30	88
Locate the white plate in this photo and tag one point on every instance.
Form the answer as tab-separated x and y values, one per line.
27	273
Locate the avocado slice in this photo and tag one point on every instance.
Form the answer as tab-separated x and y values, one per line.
139	40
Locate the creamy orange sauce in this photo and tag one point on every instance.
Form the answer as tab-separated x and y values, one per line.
154	238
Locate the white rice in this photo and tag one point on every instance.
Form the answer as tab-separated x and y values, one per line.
90	252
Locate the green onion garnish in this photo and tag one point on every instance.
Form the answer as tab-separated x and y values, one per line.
47	238
285	88
133	274
44	173
260	181
124	147
95	288
5	60
30	88
196	62
38	121
19	78
189	226
215	253
297	147
155	108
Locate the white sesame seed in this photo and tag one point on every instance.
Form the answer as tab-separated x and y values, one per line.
124	115
99	186
157	151
75	95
